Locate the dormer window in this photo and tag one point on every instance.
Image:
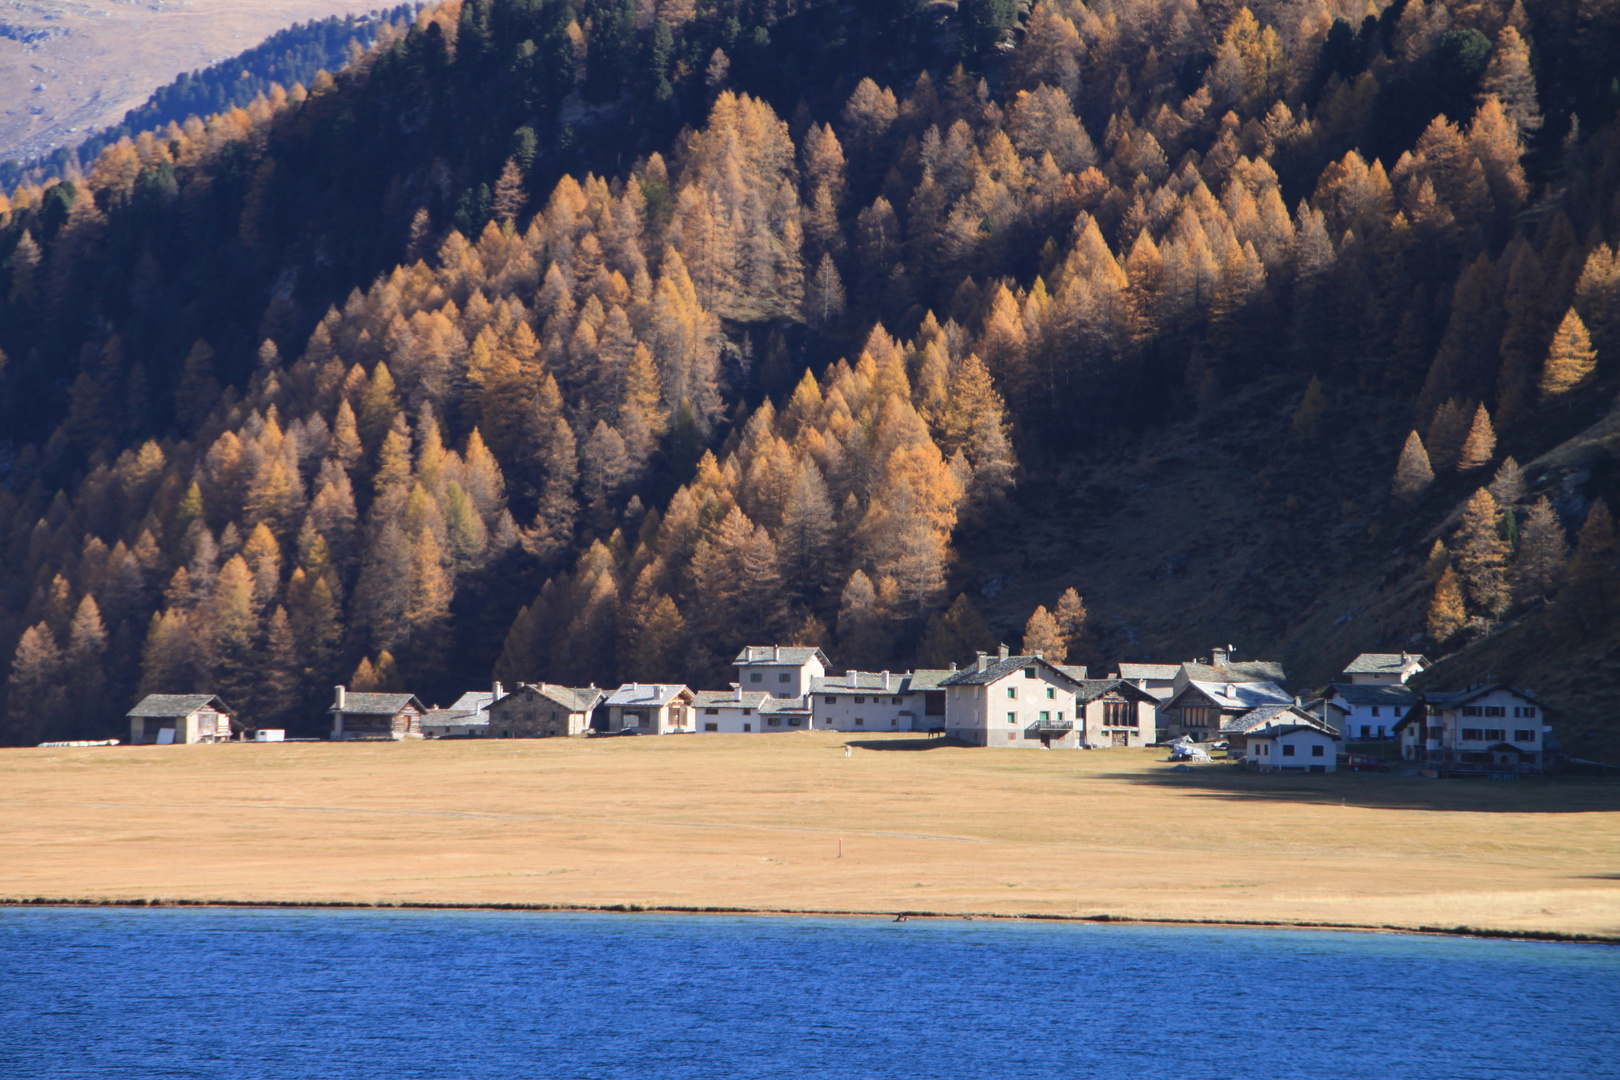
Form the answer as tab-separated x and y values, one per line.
1029	673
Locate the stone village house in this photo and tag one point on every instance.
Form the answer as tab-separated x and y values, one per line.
179	718
375	716
543	711
650	708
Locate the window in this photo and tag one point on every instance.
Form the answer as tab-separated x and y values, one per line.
1436	733
754	676
894	721
748	727
1375	710
1496	710
899	701
1029	673
1524	735
1366	732
775	721
711	712
1046	718
1288	749
860	701
784	677
1472	710
1316	751
1524	712
1012	718
859	722
1119	714
1472	733
1051	691
792	722
711	727
1012	692
748	712
831	700
1495	734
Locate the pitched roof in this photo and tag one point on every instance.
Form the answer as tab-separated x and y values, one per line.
791	655
1378	663
1289	729
1394	694
1243	671
999	669
452	715
1243	695
1266	716
1092	689
474	702
929	678
376	704
572	698
1148	671
1077	672
167	705
1451	699
784	705
728	699
646	694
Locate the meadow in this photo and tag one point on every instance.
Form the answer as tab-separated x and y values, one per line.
790	823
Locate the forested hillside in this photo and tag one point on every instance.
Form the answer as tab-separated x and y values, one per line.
592	341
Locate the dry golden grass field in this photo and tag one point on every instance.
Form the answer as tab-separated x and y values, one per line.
759	821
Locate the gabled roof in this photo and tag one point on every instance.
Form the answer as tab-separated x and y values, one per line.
452	715
1092	689
778	655
1148	671
997	669
1266	716
474	703
1378	663
376	704
866	682
929	678
1238	671
1242	695
1289	729
1506	748
728	699
784	705
1452	699
1077	672
163	706
652	694
570	698
1398	695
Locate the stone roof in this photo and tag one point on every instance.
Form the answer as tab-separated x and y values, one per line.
453	715
728	699
1092	689
784	705
790	655
1241	695
1000	669
1289	729
866	682
1273	715
571	698
376	704
1378	663
647	694
1241	671
162	706
1148	671
1397	695
929	678
474	702
1451	699
1077	672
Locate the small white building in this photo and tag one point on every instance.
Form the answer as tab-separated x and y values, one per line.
467	718
879	701
1487	728
166	719
1116	713
1303	748
1371	709
650	709
1237	730
1019	702
1384	669
782	671
729	712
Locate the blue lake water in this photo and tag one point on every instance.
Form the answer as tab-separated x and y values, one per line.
270	994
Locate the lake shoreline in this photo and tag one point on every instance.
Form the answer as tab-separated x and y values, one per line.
1554	936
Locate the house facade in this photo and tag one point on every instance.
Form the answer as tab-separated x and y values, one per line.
1012	702
1237	730
375	716
1384	669
467	718
1371	709
783	671
1159	680
878	701
1298	748
543	711
1114	712
1484	729
166	719
730	712
650	709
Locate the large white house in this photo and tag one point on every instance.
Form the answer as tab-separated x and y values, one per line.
1016	702
878	701
1372	709
1488	728
782	671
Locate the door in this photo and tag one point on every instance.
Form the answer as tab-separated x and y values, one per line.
1122	738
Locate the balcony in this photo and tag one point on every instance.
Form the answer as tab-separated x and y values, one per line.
1053	727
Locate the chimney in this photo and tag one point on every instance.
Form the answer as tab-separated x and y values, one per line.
342	696
1040	654
885	680
1002	652
852	678
984	661
658	690
953	665
497	696
737	686
1218	656
1228	689
776	652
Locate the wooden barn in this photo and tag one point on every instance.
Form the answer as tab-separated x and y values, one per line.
376	716
179	718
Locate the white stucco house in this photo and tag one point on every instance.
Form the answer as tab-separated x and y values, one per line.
1012	702
729	712
1487	728
1384	669
782	671
1291	747
650	709
1372	709
878	701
